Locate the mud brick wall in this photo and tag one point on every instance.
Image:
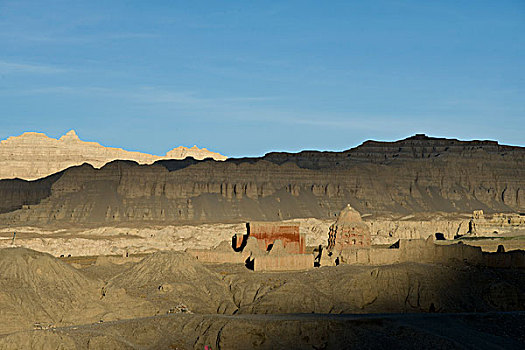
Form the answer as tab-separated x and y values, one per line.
284	262
267	233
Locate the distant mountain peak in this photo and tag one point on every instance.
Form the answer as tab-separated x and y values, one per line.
71	135
33	155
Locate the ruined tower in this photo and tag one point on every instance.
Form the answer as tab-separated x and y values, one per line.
348	231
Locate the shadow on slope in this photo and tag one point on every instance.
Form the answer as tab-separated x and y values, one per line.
38	288
174	279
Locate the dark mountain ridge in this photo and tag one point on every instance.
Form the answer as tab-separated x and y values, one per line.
417	174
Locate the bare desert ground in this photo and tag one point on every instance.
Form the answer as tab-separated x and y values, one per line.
137	288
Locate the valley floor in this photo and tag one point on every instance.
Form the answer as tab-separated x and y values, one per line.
494	330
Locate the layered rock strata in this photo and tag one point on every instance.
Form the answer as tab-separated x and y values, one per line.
34	155
418	174
481	225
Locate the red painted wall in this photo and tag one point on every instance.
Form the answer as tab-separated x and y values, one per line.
267	233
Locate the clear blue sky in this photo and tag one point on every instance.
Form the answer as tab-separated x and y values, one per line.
248	77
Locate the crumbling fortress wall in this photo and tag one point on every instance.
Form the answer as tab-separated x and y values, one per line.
266	246
278	246
426	251
416	250
278	259
349	243
267	233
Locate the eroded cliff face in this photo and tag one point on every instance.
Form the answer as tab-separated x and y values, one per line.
418	174
34	155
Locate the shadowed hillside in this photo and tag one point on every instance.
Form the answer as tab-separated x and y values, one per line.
418	174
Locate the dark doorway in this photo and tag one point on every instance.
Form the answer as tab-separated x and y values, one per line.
440	236
249	263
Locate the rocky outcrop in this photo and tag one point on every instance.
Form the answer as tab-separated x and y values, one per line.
34	155
418	174
481	225
388	231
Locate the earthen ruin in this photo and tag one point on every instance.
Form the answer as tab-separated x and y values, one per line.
279	246
348	231
267	233
266	246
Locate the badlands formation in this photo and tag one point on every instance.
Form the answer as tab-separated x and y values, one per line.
414	244
33	155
